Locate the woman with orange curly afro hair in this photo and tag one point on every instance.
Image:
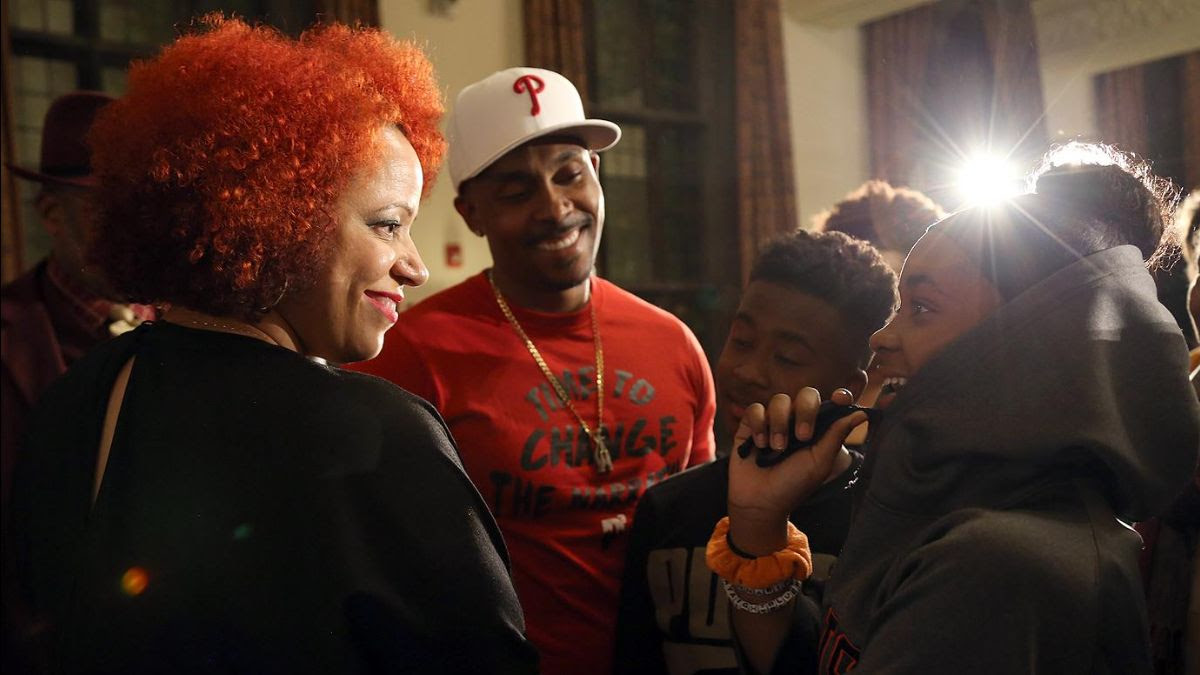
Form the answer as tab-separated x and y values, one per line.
219	498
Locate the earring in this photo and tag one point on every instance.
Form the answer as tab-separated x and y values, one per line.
264	310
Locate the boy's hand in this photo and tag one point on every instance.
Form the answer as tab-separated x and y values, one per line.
760	499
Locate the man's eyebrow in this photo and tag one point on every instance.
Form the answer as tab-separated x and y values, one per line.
566	156
501	176
514	175
793	336
744	317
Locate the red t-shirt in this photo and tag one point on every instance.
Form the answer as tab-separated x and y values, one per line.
565	524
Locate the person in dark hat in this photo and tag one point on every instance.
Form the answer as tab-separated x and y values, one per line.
61	308
55	312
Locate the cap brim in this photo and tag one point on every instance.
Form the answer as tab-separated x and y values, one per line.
38	176
597	135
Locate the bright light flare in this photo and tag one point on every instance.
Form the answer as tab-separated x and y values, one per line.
988	180
1080	154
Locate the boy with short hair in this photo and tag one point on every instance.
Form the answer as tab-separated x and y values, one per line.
812	302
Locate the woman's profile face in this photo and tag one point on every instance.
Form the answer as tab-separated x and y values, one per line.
356	298
942	296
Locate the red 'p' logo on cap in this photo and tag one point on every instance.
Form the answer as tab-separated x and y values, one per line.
534	85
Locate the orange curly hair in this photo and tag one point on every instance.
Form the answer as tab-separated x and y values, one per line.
220	168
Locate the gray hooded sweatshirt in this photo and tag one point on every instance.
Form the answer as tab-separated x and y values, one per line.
990	539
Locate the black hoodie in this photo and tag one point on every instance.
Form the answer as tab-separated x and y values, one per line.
990	539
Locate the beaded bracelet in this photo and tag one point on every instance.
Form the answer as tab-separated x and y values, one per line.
773	589
790	588
793	562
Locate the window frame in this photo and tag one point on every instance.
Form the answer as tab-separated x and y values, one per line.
707	297
91	55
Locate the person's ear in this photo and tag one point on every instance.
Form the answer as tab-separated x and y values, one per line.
857	382
467	209
595	157
50	210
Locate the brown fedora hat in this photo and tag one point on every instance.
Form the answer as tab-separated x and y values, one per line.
65	155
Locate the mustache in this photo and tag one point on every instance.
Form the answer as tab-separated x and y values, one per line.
571	222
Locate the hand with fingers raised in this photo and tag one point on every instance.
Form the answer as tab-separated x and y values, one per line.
764	485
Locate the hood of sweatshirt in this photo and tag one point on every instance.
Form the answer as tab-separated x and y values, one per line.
1082	375
1071	399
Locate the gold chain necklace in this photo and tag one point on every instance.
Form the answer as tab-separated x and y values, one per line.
184	318
601	456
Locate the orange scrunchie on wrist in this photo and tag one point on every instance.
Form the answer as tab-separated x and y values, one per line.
793	562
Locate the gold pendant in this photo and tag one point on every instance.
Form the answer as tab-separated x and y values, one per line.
603	459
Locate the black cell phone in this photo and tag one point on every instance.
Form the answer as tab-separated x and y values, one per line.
827	414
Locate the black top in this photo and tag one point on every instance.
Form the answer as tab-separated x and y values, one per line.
988	540
674	614
288	517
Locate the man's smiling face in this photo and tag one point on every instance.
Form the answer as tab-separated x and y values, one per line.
542	210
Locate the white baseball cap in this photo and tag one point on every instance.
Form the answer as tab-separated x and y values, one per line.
511	107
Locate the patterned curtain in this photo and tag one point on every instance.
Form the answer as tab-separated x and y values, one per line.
1151	109
555	40
350	12
1121	109
10	211
766	199
1011	39
947	79
897	50
1189	105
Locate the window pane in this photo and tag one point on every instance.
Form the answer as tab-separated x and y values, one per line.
677	216
627	253
29	142
113	21
643	53
64	77
31	75
28	14
37	82
39	76
670	85
114	80
618	53
60	17
32	109
140	23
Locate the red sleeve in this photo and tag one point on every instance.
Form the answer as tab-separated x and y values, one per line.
703	443
402	363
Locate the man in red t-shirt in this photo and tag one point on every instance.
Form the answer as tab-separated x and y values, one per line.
568	396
